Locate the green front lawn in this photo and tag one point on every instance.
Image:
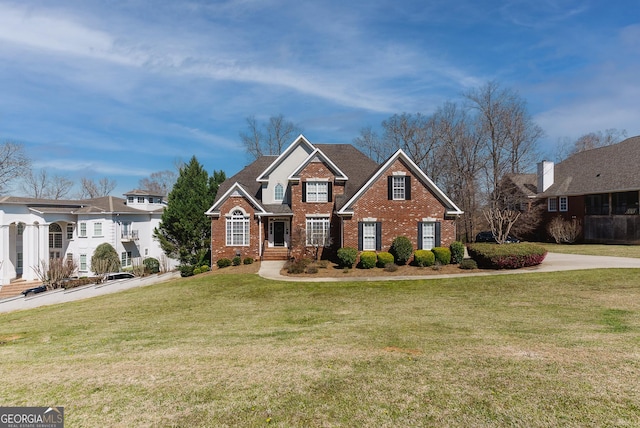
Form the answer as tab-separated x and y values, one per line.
236	350
596	249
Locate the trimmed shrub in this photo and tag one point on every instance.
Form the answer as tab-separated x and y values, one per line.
186	270
457	252
247	261
204	268
507	256
468	264
401	248
236	261
312	269
442	254
197	271
347	256
384	259
223	263
105	259
424	258
151	265
368	259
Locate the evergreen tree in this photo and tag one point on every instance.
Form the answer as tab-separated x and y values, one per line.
184	232
105	259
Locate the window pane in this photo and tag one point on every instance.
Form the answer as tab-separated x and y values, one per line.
369	236
428	235
398	188
317	231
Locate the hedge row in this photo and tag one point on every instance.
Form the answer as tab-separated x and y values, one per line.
507	256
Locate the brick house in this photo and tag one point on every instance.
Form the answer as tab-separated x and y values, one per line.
598	187
321	197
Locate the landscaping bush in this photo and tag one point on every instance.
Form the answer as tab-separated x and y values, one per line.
391	267
197	271
247	261
347	256
223	263
442	255
424	258
368	259
204	268
236	261
151	265
401	248
105	259
298	266
468	264
384	259
507	256
186	270
312	269
457	252
322	264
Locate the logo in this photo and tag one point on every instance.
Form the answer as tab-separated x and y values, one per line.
31	417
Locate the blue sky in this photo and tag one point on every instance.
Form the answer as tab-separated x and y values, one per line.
124	89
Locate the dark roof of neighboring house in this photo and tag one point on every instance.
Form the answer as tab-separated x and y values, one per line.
527	184
355	165
613	168
105	204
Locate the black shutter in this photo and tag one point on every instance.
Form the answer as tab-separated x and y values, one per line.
359	236
304	191
390	187
329	192
419	235
437	243
378	235
407	187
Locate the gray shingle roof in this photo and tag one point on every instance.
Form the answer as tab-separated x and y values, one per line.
614	168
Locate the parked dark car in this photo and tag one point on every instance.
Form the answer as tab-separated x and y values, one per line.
119	275
35	290
487	236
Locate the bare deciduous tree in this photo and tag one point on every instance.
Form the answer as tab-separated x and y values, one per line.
14	163
501	221
90	189
52	271
159	182
270	138
39	184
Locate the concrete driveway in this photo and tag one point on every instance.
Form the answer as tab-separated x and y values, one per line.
61	296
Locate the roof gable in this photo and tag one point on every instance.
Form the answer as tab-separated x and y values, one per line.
317	154
451	207
300	142
236	189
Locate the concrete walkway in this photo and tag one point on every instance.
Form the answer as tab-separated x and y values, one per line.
62	296
554	262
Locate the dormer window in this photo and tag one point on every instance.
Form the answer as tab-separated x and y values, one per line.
278	192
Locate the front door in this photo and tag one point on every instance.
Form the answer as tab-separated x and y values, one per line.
278	234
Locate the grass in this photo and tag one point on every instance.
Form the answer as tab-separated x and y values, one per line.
595	249
238	350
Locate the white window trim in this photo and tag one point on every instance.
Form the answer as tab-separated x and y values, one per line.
240	217
98	235
425	226
313	188
369	231
275	192
321	220
398	184
563	204
82	229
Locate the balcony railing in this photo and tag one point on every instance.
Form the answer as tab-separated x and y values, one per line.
131	235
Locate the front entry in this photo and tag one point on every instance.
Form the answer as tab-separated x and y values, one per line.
278	234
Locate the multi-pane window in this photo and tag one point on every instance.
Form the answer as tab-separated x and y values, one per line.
130	199
20	229
69	231
369	236
83	262
126	258
428	235
83	230
552	204
97	229
398	183
141	199
563	202
317	231
278	192
237	229
55	236
317	191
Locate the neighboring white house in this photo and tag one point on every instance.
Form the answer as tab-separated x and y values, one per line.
36	230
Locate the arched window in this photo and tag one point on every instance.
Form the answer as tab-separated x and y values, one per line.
279	192
55	236
238	229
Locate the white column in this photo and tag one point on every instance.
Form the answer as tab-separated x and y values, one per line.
29	252
8	270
